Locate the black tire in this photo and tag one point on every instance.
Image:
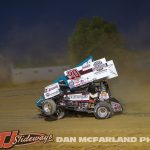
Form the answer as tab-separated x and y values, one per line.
103	110
60	113
49	107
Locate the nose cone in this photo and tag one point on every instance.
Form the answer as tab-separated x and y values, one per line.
39	101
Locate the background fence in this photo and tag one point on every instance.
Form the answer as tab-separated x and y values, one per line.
19	75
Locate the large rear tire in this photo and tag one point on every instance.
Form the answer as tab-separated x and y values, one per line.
103	110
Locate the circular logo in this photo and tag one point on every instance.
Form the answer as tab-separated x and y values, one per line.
98	65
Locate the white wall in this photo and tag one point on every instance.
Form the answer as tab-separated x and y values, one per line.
19	75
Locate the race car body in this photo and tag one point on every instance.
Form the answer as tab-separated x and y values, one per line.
82	89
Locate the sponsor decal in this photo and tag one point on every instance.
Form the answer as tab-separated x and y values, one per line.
51	87
71	84
116	106
99	66
49	95
101	73
78	97
82	82
51	90
13	138
73	74
83	72
86	66
77	82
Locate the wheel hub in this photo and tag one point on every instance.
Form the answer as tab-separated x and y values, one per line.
47	108
102	112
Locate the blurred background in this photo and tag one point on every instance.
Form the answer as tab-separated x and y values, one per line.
36	36
39	39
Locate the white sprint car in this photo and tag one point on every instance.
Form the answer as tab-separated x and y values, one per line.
82	89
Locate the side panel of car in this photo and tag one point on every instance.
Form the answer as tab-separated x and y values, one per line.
51	90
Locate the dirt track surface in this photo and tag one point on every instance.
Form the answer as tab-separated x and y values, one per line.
18	112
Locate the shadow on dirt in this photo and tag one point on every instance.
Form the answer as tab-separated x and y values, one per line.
69	114
137	114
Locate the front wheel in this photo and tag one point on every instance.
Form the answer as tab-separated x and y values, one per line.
103	110
49	107
60	113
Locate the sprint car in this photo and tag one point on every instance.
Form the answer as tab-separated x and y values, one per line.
83	88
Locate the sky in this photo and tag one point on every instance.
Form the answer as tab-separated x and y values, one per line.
38	27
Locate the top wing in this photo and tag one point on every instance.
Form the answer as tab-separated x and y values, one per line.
90	71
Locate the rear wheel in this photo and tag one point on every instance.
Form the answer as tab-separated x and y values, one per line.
103	110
